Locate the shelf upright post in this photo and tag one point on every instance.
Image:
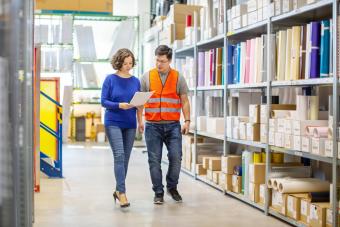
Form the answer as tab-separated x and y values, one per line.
268	105
335	202
195	91
226	145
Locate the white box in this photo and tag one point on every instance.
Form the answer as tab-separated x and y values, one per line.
259	4
273	124
279	139
299	127
252	5
298	3
288	126
281	125
236	133
288	141
318	146
287	6
263	134
239	10
297	143
329	148
252	17
230	26
271	138
202	123
260	14
244	20
278	7
243	130
253	131
306	144
229	16
230	126
237	22
254	113
215	125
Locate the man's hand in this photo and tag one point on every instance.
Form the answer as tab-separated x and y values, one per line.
125	106
185	128
141	128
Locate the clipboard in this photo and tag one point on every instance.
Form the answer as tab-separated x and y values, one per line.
140	98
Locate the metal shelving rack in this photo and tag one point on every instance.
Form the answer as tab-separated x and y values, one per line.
319	10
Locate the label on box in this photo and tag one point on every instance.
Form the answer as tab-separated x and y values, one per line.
262	191
281	125
329	216
329	148
234	180
313	212
288	141
306	144
288	126
290	204
304	207
271	138
297	143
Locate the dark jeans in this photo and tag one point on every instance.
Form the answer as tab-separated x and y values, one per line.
170	135
121	141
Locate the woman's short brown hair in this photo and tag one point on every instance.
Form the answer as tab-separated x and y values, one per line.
119	57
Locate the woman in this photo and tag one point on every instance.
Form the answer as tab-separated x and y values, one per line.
120	117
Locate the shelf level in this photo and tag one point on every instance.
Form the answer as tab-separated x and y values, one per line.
303	154
249	31
208	134
215	42
211	88
86	103
242	198
247	143
247	86
286	219
307	82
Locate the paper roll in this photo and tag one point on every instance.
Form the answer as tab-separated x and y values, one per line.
278	182
302	107
320	132
313	109
303	185
310	130
271	182
279	113
291	171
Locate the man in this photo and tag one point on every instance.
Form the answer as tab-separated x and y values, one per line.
162	114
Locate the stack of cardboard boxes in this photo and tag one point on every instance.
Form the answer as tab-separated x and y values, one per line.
228	180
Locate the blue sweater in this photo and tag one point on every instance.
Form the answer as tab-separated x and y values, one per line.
116	90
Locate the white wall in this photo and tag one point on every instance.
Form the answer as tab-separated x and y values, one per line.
125	7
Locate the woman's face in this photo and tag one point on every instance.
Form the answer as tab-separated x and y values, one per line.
127	65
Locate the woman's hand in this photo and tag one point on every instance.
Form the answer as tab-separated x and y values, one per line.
125	106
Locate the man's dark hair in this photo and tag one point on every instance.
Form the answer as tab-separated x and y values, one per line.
164	50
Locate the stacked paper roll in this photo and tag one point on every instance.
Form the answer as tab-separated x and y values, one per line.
278	182
313	109
320	132
291	171
302	107
303	185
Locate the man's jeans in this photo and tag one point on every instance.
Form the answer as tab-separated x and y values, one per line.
121	141
155	136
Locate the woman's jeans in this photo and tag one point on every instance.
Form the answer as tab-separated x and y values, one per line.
121	141
170	135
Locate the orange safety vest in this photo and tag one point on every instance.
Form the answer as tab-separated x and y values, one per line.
165	103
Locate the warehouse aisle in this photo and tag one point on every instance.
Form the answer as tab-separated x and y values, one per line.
84	197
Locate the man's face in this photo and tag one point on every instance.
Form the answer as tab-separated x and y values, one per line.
162	63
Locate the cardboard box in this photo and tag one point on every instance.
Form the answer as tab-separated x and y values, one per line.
254	192
299	127
178	13
318	146
252	5
263	194
287	6
288	126
244	20
239	10
289	140
216	177
263	134
297	143
237	22
304	210
273	124
279	201
215	164
253	132
226	181
102	6
271	138
228	163
279	139
243	130
206	161
237	184
281	125
215	125
294	205
306	144
257	173
202	123
172	32
254	113
299	3
200	170
188	159
329	148
329	217
252	17
278	7
230	126
236	133
317	214
210	175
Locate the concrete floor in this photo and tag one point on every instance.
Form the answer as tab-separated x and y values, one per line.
84	198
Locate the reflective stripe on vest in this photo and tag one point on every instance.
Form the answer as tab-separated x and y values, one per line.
165	103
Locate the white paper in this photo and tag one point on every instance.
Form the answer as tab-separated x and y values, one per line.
140	98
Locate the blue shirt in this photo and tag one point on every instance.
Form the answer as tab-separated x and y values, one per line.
116	90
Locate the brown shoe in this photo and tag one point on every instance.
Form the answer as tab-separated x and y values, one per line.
121	197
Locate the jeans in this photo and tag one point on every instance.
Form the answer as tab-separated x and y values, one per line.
155	136
121	141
